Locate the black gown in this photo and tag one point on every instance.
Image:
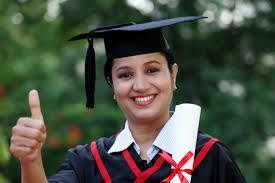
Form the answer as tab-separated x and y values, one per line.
80	166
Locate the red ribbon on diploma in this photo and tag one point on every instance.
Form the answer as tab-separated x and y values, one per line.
177	167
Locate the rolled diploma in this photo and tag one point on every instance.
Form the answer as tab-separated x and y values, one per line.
186	125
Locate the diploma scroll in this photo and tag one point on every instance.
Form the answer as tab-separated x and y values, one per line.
185	129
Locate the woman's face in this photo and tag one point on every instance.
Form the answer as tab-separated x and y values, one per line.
143	86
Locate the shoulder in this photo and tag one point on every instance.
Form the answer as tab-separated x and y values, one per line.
105	143
204	138
84	151
218	150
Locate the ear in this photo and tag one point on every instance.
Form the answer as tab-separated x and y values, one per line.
174	74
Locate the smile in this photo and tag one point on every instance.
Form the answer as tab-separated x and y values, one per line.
144	100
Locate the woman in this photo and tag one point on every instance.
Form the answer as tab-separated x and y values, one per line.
142	74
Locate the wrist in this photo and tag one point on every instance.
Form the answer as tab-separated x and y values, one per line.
30	162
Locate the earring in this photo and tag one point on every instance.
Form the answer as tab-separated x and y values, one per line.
114	97
175	87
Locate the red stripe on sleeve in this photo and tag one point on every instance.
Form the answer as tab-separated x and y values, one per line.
102	169
206	148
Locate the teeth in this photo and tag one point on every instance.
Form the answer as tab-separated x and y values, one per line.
143	99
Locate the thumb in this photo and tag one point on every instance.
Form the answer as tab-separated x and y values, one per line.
34	104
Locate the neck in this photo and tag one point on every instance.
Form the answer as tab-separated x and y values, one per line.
145	133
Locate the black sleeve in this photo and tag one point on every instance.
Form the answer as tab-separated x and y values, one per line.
72	169
218	167
226	169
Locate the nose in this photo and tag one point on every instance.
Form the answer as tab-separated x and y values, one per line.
141	83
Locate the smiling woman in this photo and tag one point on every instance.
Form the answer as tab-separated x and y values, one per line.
143	86
142	75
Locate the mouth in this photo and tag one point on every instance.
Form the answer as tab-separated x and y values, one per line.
143	100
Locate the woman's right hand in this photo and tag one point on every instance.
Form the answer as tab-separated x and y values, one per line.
29	133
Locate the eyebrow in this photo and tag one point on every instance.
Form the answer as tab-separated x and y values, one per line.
122	67
146	63
152	61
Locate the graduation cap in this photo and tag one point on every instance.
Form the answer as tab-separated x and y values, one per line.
125	40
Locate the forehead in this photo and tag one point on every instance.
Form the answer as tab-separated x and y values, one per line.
139	59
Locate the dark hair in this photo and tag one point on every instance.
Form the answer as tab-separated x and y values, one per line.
109	64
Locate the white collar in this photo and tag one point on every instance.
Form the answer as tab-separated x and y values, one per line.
123	140
163	141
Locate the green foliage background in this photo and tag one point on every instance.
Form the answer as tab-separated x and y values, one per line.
227	66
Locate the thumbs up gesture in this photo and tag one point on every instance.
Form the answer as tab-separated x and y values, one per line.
29	134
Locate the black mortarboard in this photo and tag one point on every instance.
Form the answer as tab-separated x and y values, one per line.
125	40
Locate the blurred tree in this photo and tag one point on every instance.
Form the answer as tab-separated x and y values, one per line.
227	65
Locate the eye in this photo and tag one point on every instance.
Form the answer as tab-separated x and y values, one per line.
152	70
124	75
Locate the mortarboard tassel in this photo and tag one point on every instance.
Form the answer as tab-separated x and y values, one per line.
90	74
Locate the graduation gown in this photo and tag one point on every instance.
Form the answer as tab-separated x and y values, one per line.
85	166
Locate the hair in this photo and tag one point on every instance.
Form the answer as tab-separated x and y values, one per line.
109	64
